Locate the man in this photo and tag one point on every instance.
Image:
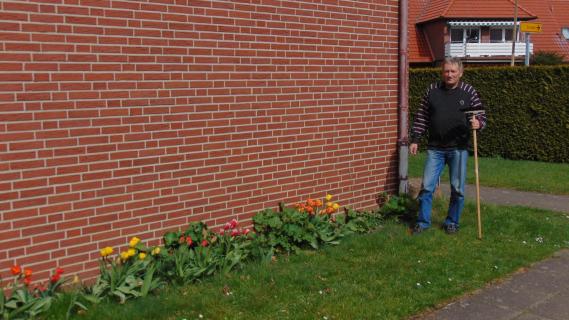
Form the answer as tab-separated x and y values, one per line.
442	115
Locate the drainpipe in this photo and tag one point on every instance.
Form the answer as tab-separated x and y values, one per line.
403	95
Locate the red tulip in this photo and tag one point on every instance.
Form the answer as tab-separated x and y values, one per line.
16	270
233	224
189	240
234	232
55	278
59	271
205	243
27	281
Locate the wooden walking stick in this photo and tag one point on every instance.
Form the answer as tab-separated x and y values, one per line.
474	140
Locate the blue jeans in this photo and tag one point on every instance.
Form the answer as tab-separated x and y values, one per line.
434	165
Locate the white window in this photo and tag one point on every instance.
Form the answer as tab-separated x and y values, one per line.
462	35
500	35
565	33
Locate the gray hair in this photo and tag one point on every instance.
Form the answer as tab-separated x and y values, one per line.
453	60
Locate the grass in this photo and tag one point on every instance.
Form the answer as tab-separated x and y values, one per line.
533	176
384	275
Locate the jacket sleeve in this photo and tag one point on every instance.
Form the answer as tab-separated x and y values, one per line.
422	118
476	104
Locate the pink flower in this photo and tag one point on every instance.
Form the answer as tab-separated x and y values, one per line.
246	232
234	232
233	224
227	226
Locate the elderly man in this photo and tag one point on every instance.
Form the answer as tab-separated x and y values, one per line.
442	116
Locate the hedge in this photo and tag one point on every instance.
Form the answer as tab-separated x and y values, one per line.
527	109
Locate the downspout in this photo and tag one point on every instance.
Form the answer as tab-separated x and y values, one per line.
403	141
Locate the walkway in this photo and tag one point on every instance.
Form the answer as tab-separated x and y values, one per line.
540	293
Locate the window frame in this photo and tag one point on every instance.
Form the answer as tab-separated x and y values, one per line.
464	34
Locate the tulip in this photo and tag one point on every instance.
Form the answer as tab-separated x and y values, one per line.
59	271
106	251
131	252
133	242
328	197
234	232
27	281
27	272
233	224
205	243
55	278
76	279
156	251
246	232
124	256
142	256
16	270
336	206
189	241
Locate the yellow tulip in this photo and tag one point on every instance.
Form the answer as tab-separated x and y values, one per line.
133	242
106	251
142	256
131	252
156	251
124	256
336	206
329	204
328	197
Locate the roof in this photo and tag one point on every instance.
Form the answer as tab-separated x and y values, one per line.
465	9
418	46
553	14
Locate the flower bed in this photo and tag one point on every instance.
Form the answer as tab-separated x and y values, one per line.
189	255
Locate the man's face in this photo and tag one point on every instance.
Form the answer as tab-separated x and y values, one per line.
451	74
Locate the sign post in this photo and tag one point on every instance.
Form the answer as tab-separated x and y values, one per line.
528	28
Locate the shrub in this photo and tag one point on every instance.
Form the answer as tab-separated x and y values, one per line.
547	58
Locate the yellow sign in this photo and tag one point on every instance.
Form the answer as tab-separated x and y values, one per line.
530	27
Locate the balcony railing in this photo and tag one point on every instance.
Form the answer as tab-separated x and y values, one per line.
485	49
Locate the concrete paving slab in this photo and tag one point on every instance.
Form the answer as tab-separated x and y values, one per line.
540	293
556	308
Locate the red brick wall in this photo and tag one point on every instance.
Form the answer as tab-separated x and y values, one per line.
123	118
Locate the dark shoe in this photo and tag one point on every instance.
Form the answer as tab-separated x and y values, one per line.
451	228
417	229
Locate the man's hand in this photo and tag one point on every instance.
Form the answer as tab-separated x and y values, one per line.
474	123
413	148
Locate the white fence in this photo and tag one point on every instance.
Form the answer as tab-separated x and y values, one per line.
485	49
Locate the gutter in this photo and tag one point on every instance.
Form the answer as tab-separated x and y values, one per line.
403	140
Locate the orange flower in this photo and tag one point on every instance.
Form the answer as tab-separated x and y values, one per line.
27	272
311	203
16	270
27	281
329	210
309	209
318	203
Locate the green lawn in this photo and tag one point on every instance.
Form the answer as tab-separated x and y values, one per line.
533	176
388	274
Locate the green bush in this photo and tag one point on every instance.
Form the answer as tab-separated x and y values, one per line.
547	58
527	109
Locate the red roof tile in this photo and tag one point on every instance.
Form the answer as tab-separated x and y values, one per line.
468	9
418	47
554	15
